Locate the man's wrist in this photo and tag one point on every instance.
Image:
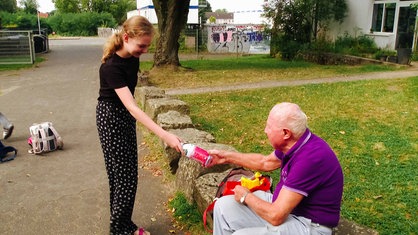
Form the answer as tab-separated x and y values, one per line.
242	199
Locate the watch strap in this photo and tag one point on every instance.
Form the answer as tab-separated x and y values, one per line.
242	200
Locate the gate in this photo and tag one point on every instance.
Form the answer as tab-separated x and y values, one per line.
16	47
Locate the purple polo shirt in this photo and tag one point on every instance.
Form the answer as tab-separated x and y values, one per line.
312	169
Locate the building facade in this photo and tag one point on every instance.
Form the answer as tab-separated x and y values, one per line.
391	23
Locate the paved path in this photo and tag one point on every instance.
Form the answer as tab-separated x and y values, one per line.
64	192
410	72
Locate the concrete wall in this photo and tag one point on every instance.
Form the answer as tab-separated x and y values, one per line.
237	38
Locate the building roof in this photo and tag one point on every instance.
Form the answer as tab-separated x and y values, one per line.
219	16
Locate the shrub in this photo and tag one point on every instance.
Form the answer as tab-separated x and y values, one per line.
358	46
20	20
80	24
288	48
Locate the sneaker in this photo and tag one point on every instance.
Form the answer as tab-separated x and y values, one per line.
7	132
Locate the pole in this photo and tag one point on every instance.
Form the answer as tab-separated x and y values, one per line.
39	24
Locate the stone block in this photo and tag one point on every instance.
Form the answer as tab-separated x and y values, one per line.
142	94
189	170
188	135
346	227
153	107
174	120
193	135
205	189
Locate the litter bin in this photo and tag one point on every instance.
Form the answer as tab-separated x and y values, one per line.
404	55
41	43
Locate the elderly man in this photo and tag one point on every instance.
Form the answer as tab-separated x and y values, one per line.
307	198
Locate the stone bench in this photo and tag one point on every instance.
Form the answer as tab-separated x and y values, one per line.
199	184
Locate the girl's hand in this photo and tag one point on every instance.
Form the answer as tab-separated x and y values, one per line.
173	141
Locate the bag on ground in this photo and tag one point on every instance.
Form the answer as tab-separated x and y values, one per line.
238	176
4	153
44	138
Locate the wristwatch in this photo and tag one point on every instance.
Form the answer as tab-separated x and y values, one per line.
242	199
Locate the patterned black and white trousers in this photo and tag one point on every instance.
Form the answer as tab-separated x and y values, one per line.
117	134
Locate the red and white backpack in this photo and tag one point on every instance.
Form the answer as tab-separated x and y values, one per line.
44	138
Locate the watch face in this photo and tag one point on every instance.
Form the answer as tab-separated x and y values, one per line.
243	198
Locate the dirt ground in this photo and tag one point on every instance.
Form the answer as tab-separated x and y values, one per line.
66	192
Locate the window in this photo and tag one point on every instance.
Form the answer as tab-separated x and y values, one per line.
383	17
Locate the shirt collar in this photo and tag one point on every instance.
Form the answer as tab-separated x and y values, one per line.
302	141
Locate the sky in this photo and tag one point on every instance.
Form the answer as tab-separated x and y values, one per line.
45	6
236	5
229	5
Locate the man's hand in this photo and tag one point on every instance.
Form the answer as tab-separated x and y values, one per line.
240	192
219	156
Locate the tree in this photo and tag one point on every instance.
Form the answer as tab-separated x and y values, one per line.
29	6
118	8
67	6
172	18
297	22
221	10
8	6
212	19
203	10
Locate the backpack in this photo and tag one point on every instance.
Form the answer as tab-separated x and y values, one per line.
232	179
4	152
44	138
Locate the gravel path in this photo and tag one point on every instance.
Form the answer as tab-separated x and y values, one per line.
410	72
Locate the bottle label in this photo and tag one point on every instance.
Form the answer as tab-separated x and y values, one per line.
197	154
201	156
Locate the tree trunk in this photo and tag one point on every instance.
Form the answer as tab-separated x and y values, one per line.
172	18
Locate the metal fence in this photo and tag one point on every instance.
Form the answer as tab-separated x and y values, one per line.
17	47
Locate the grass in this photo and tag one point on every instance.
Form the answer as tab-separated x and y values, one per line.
371	125
254	68
186	214
8	67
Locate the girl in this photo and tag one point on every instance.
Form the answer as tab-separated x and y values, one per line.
116	116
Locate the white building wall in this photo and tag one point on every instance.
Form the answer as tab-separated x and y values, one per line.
358	18
359	22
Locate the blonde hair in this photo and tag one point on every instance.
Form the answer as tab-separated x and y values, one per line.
134	27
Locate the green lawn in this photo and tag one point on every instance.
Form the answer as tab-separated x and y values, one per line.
8	67
371	125
254	68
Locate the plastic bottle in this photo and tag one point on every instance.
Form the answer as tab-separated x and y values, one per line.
194	152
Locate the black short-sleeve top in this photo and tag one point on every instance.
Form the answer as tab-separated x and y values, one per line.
117	72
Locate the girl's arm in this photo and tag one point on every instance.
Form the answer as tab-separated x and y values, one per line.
129	102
